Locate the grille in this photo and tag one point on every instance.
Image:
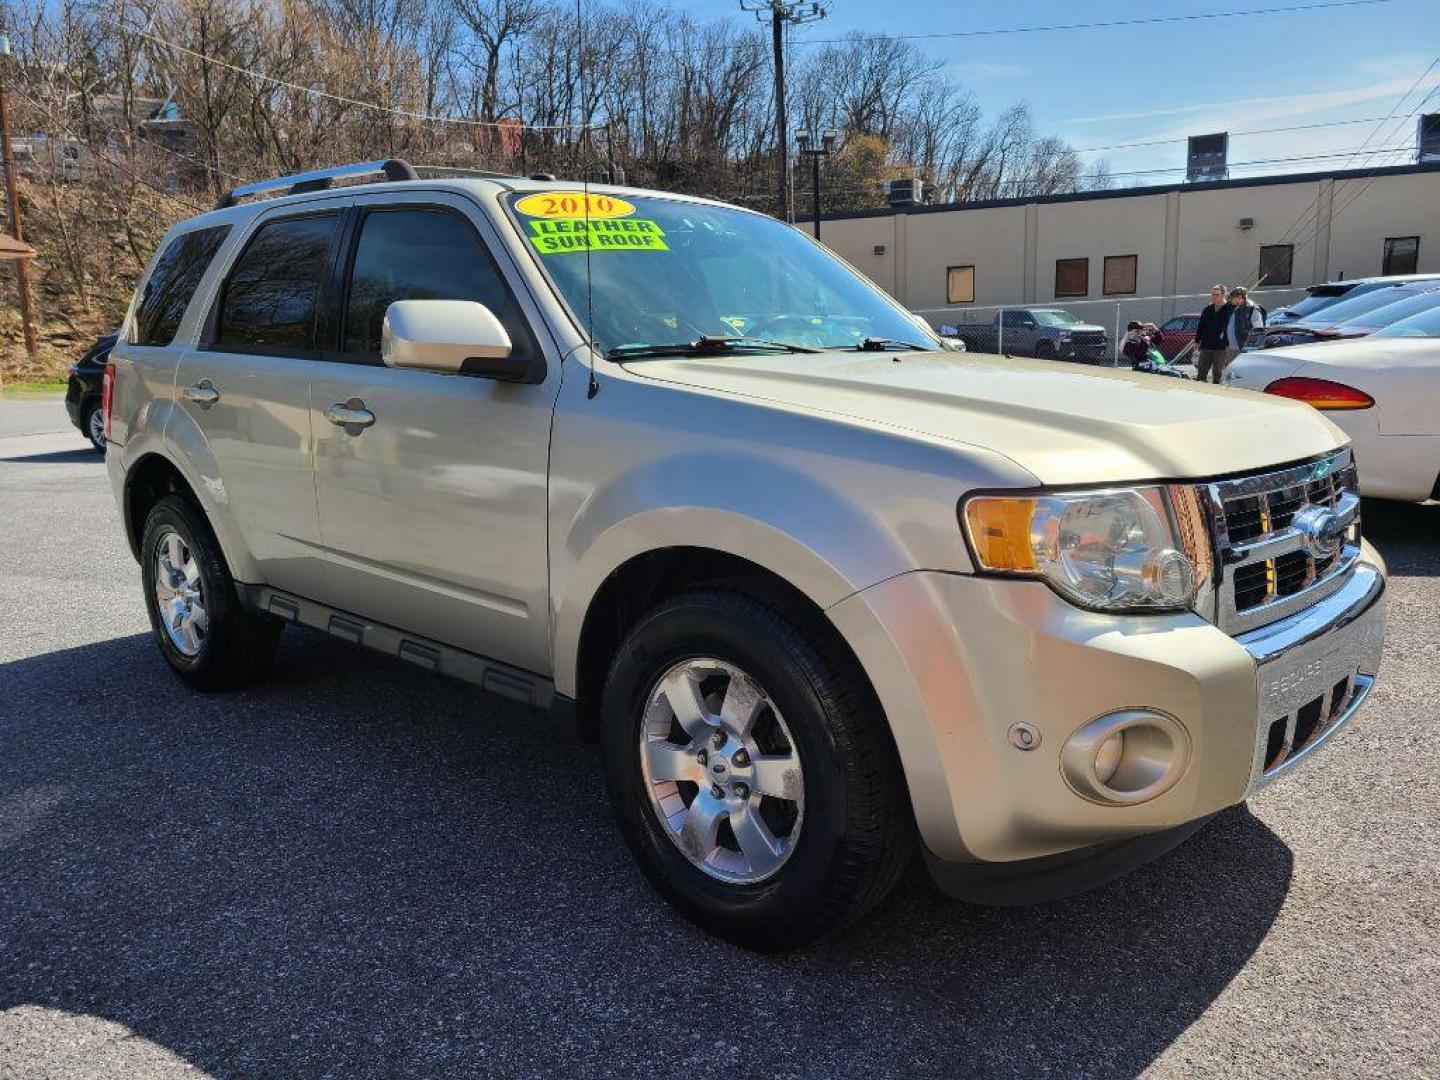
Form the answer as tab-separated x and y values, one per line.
1273	561
1088	338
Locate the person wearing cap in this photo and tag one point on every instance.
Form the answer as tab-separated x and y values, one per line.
1245	318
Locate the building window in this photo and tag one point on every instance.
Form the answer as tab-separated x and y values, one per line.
1402	255
1120	274
1277	264
960	284
1072	277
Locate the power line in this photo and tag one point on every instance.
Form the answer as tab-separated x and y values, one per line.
1365	183
1109	24
1237	134
407	113
1315	203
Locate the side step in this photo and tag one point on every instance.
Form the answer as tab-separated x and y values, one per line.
491	675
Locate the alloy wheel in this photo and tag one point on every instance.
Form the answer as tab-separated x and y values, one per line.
180	594
721	771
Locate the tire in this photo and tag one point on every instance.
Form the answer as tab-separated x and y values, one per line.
236	646
92	423
1044	350
853	835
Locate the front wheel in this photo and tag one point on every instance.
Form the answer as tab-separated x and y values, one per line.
206	637
1044	350
751	770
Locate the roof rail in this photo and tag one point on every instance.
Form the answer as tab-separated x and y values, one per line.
318	180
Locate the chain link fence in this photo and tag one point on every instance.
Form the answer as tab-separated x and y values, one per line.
1089	331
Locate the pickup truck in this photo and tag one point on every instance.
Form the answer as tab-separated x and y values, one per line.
1044	333
826	594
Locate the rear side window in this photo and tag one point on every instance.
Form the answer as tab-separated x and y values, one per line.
421	255
272	296
172	284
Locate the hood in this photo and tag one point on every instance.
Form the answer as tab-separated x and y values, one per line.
1064	423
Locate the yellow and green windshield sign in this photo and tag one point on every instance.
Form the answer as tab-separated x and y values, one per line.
556	236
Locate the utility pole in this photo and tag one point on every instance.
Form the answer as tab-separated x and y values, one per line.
778	13
12	195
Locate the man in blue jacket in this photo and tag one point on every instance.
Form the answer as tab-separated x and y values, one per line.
1245	317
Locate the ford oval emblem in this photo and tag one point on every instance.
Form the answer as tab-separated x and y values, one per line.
1321	531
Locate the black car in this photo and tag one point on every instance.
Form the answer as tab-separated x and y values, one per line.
82	396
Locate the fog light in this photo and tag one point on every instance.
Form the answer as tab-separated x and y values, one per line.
1126	757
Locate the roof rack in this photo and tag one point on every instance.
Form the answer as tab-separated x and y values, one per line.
318	180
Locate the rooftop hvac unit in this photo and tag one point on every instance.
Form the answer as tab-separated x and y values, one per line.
908	192
1205	159
1427	138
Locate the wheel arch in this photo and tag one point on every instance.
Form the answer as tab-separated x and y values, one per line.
587	640
149	479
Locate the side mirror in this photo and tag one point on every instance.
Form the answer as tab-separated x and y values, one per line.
452	337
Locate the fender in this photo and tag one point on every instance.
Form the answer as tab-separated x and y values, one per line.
789	522
164	431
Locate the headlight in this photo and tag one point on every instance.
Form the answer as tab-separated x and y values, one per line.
1114	550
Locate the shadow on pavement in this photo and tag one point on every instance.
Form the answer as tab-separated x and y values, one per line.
357	869
1407	535
86	455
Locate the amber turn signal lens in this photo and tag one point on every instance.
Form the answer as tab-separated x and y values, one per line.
1321	393
1000	531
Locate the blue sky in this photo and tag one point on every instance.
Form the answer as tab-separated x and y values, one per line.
1141	83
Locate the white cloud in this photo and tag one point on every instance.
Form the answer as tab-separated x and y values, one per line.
1255	109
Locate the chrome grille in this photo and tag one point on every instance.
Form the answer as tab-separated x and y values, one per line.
1271	558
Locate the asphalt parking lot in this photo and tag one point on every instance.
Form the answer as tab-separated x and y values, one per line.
355	869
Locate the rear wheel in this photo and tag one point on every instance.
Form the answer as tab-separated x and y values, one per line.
207	638
93	424
751	771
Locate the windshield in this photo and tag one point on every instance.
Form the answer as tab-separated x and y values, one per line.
1357	305
1425	324
1394	312
1046	317
664	272
1322	296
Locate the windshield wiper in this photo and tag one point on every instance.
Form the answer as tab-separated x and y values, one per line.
704	346
888	344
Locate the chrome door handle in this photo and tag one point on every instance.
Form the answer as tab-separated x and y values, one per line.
352	416
202	393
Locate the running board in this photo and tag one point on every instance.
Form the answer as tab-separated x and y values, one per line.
490	675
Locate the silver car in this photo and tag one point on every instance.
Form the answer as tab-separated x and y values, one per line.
826	594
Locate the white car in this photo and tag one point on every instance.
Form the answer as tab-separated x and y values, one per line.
1382	390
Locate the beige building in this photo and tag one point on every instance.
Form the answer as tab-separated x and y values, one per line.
1100	254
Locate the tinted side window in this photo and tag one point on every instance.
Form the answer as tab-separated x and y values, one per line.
273	292
172	284
421	255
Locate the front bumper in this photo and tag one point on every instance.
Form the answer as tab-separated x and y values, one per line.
958	661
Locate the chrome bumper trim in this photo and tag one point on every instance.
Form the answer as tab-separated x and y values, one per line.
1303	666
1339	609
1363	685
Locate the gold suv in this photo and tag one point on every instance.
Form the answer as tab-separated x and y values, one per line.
825	592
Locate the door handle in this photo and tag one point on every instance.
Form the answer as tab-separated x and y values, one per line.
202	393
352	416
